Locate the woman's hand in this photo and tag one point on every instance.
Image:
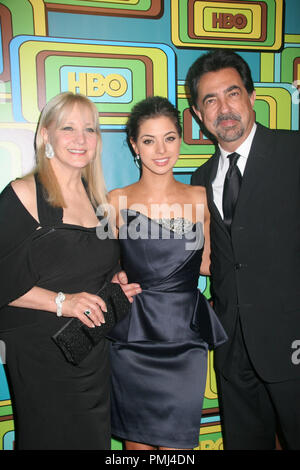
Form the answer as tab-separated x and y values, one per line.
74	305
128	289
88	308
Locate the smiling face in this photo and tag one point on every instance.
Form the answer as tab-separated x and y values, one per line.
225	107
158	144
74	139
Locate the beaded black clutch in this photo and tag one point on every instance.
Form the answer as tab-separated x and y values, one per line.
77	340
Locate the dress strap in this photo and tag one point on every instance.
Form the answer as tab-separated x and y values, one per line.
48	215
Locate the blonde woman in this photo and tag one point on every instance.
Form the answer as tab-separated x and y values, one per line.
51	265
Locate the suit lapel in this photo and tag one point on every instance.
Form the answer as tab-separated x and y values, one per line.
210	196
256	167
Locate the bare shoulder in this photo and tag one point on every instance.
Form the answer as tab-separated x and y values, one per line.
116	196
197	194
25	189
118	200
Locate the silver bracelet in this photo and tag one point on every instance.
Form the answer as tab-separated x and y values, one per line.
59	301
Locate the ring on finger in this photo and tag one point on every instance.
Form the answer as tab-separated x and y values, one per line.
87	313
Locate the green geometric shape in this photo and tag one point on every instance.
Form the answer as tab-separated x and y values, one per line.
21	16
262	110
141	5
116	444
288	55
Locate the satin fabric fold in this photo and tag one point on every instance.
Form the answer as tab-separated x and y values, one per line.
159	356
170	306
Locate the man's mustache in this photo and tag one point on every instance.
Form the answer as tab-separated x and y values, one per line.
227	117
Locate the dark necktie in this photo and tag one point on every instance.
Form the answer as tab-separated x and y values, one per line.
231	189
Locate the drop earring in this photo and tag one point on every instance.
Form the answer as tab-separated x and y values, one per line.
49	152
137	161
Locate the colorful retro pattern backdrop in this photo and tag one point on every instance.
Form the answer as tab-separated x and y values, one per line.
118	52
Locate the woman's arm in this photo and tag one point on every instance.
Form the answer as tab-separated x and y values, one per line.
115	199
201	199
37	298
74	305
205	264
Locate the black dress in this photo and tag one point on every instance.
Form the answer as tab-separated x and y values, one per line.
159	353
56	405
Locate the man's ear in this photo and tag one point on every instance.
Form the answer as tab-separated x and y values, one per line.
252	98
197	112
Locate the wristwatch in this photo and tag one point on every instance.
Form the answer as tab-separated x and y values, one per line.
59	301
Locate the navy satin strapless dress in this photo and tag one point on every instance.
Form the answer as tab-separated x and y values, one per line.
159	351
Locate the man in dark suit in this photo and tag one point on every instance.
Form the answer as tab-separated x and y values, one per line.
253	192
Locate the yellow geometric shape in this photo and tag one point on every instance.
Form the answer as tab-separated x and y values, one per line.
267	67
210	429
125	2
209	444
211	383
18	125
5	427
280	117
292	38
5	402
196	157
273	109
39	17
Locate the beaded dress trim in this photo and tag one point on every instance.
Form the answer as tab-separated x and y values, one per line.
178	224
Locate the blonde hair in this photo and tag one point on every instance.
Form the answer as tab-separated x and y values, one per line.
54	112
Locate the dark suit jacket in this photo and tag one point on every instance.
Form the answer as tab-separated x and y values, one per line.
256	272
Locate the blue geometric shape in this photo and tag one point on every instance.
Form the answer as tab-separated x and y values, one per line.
4	391
8	440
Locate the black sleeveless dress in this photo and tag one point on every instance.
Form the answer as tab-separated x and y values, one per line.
56	405
159	353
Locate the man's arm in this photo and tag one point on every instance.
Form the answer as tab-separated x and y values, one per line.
199	177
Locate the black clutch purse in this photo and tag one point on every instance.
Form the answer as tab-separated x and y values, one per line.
77	340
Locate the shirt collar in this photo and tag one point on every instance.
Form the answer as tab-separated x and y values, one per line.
243	149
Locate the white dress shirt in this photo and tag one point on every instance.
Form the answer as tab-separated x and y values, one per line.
218	182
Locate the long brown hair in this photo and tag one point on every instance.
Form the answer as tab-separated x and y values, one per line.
54	112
